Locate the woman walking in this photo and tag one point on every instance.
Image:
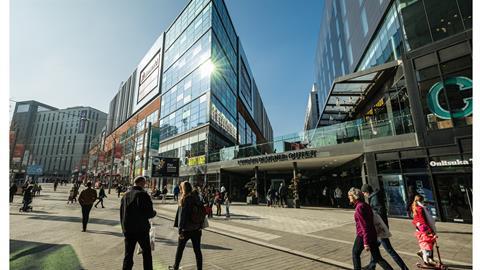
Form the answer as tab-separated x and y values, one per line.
101	196
189	220
366	235
425	230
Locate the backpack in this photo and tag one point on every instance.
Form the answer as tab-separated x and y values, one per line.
198	214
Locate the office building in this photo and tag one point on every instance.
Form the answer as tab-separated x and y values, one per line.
55	139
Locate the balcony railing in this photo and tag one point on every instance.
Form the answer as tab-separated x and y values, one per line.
351	131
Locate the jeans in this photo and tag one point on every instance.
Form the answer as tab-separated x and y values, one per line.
376	256
283	200
196	237
85	215
227	207
143	240
388	248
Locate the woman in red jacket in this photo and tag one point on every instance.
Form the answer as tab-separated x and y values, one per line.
366	234
425	229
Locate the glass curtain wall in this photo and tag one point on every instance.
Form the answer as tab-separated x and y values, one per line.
426	21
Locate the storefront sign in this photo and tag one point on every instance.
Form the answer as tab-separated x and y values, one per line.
279	157
165	167
445	163
35	170
433	101
192	161
149	77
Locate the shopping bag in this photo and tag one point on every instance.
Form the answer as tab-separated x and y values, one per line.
380	227
205	223
152	239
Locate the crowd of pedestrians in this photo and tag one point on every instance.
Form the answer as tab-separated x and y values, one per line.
195	205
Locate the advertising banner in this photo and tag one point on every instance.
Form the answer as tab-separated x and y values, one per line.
35	170
117	153
165	167
154	138
18	152
199	160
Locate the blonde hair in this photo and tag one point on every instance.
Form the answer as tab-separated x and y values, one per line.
185	190
357	194
418	198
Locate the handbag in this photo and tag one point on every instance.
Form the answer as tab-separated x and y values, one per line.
381	227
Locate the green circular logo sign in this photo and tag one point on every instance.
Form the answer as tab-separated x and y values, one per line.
433	101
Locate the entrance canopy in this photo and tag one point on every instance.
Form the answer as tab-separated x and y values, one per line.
348	91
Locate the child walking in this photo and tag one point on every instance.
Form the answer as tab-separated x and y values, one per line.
424	230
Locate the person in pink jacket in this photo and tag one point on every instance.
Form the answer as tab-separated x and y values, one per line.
424	230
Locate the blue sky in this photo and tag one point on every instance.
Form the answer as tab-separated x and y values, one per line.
70	53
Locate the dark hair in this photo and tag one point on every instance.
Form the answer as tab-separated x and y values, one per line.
89	184
139	179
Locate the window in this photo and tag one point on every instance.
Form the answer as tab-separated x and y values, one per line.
347	30
444	18
350	56
415	26
363	16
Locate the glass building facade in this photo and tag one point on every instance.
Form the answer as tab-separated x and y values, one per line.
206	93
430	43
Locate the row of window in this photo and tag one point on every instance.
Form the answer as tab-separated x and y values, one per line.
222	118
47	117
222	64
181	23
192	115
198	27
65	127
225	42
224	93
188	89
188	62
222	11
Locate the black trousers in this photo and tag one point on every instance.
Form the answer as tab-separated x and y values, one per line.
376	256
85	215
196	238
389	249
143	240
100	200
283	200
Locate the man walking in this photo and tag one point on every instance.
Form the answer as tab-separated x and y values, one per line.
135	210
101	195
55	185
86	199
164	194
13	190
338	196
282	191
377	203
176	191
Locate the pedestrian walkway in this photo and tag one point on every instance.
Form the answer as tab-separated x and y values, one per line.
50	237
327	234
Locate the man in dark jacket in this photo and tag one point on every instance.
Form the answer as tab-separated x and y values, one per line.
377	202
135	210
86	199
13	190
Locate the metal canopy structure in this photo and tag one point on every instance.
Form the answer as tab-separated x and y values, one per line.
348	91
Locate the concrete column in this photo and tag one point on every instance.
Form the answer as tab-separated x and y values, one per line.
372	170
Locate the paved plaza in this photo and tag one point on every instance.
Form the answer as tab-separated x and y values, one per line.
255	237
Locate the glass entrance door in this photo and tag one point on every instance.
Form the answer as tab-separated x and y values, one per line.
455	195
395	197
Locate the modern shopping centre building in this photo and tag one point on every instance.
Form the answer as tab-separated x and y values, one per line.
391	99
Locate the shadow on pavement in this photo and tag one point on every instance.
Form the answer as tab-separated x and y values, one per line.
35	255
171	242
32	212
118	234
458	266
243	217
454	232
76	219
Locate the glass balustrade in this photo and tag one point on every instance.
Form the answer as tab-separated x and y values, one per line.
346	132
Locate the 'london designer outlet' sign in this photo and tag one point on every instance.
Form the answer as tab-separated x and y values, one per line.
279	157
